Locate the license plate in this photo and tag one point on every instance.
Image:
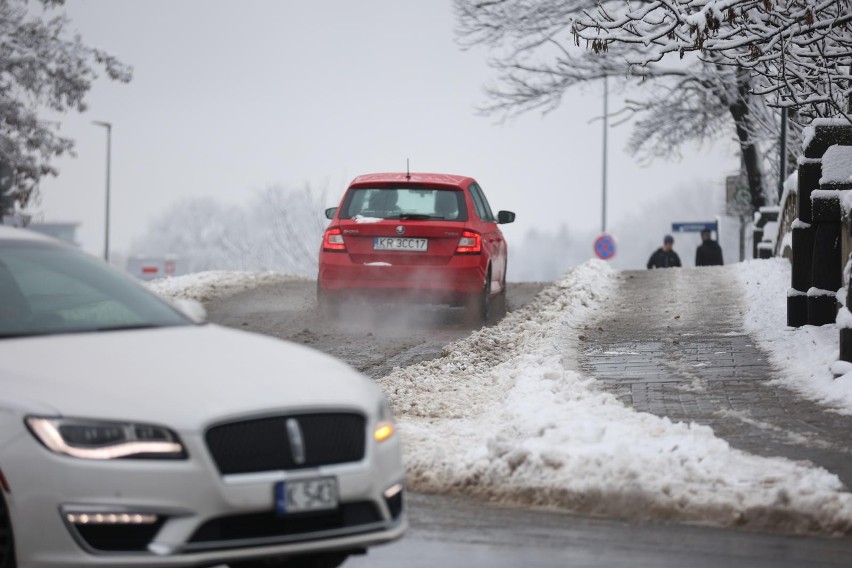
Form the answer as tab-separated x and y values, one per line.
399	243
300	495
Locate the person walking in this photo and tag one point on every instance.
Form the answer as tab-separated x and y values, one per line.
664	257
708	253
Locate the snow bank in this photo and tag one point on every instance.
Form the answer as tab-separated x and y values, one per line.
503	415
206	286
802	356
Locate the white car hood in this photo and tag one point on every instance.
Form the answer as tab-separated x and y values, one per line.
182	377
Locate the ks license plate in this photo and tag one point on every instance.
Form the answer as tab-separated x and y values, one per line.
300	495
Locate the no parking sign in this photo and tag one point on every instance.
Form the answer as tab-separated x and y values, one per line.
605	247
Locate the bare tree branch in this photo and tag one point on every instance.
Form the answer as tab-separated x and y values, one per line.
539	55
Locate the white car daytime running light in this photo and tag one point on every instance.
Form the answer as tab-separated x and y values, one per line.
393	490
47	430
111	518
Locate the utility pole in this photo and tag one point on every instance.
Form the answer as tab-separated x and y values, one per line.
108	127
782	159
605	128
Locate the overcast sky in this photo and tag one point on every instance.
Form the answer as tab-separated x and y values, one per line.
230	97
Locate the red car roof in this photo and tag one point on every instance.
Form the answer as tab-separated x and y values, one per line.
460	182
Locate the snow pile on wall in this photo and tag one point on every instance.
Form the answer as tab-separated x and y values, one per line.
836	165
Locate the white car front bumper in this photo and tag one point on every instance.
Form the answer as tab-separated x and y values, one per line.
203	517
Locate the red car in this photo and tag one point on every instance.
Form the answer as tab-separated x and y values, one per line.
426	237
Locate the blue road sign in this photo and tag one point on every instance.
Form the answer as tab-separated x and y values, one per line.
605	247
695	227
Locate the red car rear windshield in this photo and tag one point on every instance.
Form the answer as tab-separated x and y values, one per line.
404	203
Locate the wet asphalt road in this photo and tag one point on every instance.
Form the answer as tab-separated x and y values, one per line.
456	532
447	532
373	339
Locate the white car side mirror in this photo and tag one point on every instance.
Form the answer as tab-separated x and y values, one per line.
193	309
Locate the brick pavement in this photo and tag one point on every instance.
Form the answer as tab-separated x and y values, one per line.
672	343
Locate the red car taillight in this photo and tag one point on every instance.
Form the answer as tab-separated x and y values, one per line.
333	241
469	243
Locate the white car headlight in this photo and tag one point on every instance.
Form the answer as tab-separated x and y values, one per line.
99	440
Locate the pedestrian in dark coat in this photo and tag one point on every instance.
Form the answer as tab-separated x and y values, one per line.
664	257
708	253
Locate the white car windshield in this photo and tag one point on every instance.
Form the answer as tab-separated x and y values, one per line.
47	289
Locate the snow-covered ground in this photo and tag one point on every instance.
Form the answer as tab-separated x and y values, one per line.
504	414
805	356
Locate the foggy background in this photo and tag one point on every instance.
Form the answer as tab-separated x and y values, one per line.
230	100
280	229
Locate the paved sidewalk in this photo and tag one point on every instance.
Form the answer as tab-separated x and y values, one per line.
672	344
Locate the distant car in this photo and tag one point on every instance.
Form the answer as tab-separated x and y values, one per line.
131	435
424	237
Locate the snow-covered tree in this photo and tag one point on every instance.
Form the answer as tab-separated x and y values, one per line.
799	51
41	67
696	100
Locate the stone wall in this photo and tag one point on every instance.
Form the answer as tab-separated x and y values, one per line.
822	232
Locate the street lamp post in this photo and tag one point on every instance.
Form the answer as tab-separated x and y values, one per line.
108	127
605	128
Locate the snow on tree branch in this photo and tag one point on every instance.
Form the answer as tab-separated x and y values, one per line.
698	98
41	68
798	51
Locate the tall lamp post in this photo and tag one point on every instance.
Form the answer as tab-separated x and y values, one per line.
782	155
108	127
605	128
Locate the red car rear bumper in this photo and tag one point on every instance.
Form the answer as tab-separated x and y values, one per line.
462	276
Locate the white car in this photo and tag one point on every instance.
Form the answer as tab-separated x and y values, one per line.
132	435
